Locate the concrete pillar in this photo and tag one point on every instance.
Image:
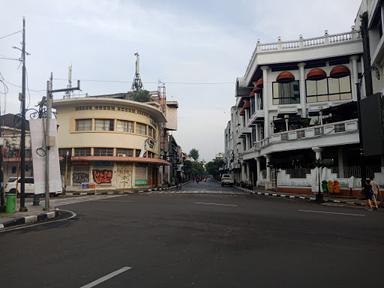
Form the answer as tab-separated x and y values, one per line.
248	178
266	97
362	82
268	168
258	176
303	97
354	76
317	150
340	161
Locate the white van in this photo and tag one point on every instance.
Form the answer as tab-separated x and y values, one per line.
10	187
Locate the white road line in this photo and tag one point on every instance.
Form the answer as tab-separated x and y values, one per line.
215	204
334	213
106	277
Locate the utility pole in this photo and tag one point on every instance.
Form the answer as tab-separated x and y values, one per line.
22	139
47	139
2	196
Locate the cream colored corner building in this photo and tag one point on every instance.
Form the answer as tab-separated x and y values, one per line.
107	143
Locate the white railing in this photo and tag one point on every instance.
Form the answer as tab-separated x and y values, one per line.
310	132
310	42
301	43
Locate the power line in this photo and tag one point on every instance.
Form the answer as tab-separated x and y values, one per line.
10	34
19	86
154	82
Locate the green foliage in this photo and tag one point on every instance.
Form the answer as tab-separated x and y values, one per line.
213	167
139	96
194	154
193	168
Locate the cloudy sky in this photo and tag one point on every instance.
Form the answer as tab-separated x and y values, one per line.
197	48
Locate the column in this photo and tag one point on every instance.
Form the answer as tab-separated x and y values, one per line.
303	97
354	76
265	100
257	171
340	161
248	176
268	168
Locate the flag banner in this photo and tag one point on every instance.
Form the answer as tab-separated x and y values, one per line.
37	127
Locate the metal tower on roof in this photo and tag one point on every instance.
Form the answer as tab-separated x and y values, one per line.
137	85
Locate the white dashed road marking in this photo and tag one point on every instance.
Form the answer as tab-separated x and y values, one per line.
333	213
215	204
106	277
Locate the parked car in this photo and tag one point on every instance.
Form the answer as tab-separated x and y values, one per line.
226	179
10	187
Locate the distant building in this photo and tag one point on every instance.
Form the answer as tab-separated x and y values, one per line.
10	134
110	142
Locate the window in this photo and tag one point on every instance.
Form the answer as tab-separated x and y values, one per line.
63	152
83	124
138	151
141	128
103	152
104	124
121	152
329	89
286	93
82	151
124	126
152	132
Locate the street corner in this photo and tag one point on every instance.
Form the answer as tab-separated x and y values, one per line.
9	222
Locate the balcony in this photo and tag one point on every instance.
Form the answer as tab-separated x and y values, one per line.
303	47
258	116
308	43
314	133
244	130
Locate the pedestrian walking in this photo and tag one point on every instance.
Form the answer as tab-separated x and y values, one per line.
370	195
376	191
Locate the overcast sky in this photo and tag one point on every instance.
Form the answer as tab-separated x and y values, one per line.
197	48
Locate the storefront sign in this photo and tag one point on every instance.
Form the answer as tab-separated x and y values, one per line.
103	163
102	176
141	182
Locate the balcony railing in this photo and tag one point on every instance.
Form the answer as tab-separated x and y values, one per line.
302	43
310	132
310	42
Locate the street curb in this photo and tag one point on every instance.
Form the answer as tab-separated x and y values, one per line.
30	219
302	197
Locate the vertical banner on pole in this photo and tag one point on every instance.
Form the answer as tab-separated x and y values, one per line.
38	156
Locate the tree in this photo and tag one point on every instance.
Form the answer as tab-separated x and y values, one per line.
213	167
194	154
139	96
193	169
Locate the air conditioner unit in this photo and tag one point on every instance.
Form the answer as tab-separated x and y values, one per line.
121	155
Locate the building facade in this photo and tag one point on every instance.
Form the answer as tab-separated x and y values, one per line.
108	142
296	105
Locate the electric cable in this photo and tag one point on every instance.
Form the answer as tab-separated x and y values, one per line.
10	34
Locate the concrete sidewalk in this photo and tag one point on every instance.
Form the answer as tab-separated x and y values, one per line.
33	215
327	198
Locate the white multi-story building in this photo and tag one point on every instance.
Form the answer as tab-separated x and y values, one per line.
296	104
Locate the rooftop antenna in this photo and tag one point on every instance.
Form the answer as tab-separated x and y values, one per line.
137	85
68	93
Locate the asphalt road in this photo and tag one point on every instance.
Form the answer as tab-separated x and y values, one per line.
198	240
